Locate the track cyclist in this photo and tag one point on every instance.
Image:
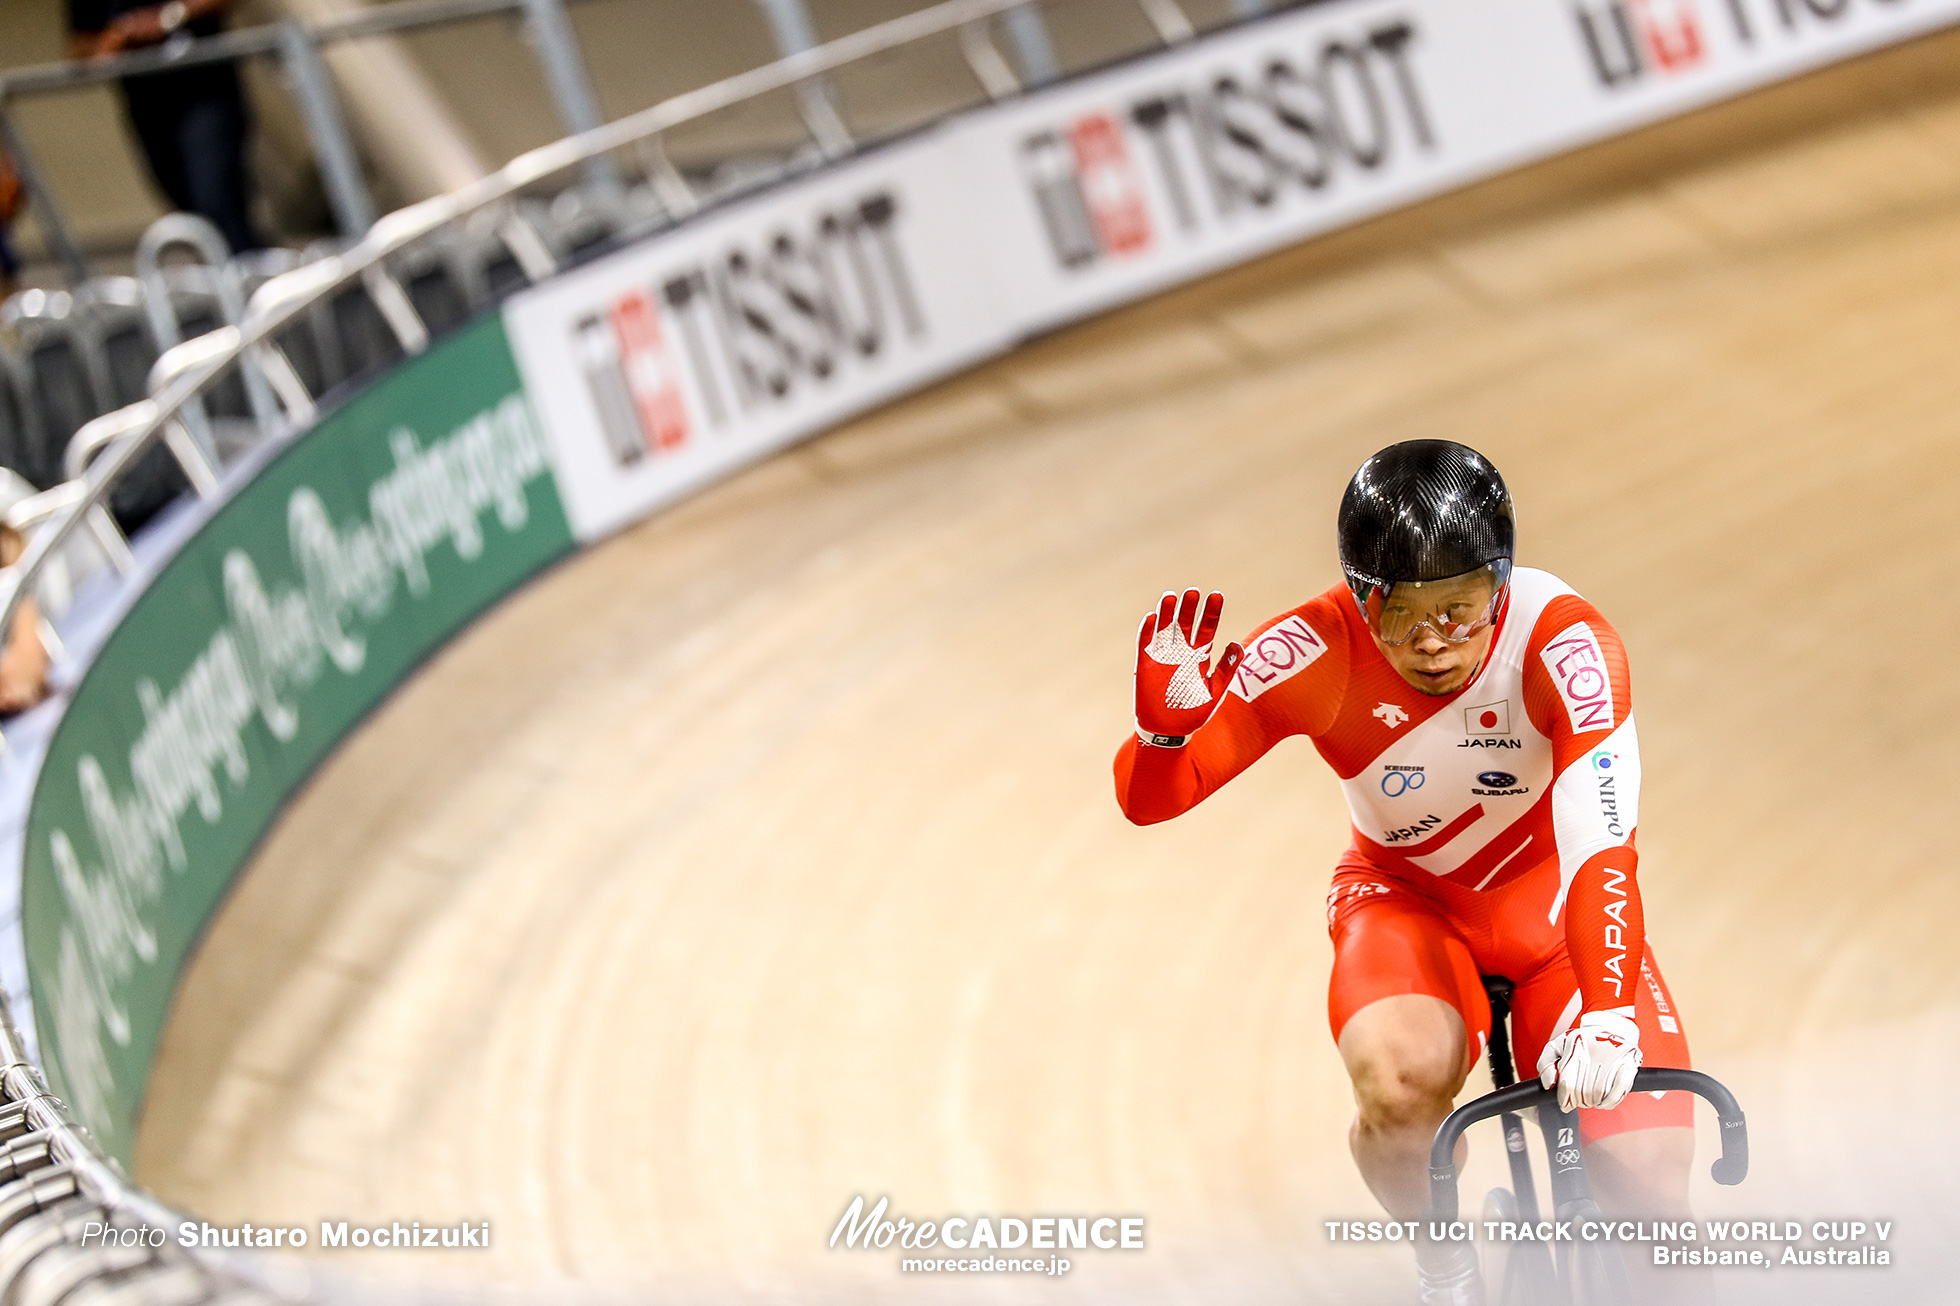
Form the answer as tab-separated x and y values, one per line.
1479	717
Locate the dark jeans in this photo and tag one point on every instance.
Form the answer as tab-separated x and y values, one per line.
193	127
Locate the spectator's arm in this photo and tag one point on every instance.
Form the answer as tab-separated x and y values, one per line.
134	30
24	665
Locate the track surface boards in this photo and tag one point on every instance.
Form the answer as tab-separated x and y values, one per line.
765	855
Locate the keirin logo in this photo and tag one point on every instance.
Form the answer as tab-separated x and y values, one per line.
1400	780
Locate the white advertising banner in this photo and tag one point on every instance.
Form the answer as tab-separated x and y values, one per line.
663	365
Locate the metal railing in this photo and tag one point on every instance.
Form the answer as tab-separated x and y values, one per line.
299	46
187	370
64	1180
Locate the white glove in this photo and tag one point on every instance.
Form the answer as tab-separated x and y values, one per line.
1593	1062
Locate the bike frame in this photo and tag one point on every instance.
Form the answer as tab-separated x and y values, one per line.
1571	1191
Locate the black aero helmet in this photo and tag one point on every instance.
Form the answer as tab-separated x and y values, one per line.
1419	512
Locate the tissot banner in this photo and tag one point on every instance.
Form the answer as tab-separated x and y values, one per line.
664	365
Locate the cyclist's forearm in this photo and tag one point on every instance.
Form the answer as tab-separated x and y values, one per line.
1155	784
1605	929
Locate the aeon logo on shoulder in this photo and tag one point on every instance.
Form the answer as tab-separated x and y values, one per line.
1196	155
1278	653
1578	668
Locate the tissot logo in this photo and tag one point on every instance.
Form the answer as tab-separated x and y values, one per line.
1628	38
756	326
1089	190
1628	41
1245	138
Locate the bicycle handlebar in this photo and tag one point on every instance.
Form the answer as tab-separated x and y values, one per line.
1730	1168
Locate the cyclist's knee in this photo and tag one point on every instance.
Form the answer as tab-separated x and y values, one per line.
1406	1057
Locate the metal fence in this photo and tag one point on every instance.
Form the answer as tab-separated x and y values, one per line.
298	47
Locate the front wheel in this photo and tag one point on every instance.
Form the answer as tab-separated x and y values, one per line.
1517	1273
1595	1274
1499	1258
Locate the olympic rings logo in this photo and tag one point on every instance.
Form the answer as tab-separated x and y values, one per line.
1397	783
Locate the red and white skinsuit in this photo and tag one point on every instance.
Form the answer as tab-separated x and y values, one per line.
1493	827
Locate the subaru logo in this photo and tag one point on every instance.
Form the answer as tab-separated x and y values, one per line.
1498	780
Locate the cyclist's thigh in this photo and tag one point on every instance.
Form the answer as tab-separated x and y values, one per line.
1389	942
1547	1004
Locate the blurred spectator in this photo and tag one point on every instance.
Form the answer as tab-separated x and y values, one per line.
10	200
24	663
192	122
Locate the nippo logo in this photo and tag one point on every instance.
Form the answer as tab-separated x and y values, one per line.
1603	760
1578	668
1278	653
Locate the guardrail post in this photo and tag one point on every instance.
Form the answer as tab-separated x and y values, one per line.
1032	46
53	225
1172	24
571	88
790	21
340	167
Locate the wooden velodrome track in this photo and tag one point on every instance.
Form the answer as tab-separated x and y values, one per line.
765	855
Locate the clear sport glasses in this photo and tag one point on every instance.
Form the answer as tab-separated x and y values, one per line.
1454	608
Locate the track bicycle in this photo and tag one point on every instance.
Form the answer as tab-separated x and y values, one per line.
1584	1272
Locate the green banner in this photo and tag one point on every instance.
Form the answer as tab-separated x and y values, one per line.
284	620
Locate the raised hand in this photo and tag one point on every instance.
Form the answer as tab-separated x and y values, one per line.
1177	688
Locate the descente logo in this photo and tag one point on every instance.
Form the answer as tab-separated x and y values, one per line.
869	1230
